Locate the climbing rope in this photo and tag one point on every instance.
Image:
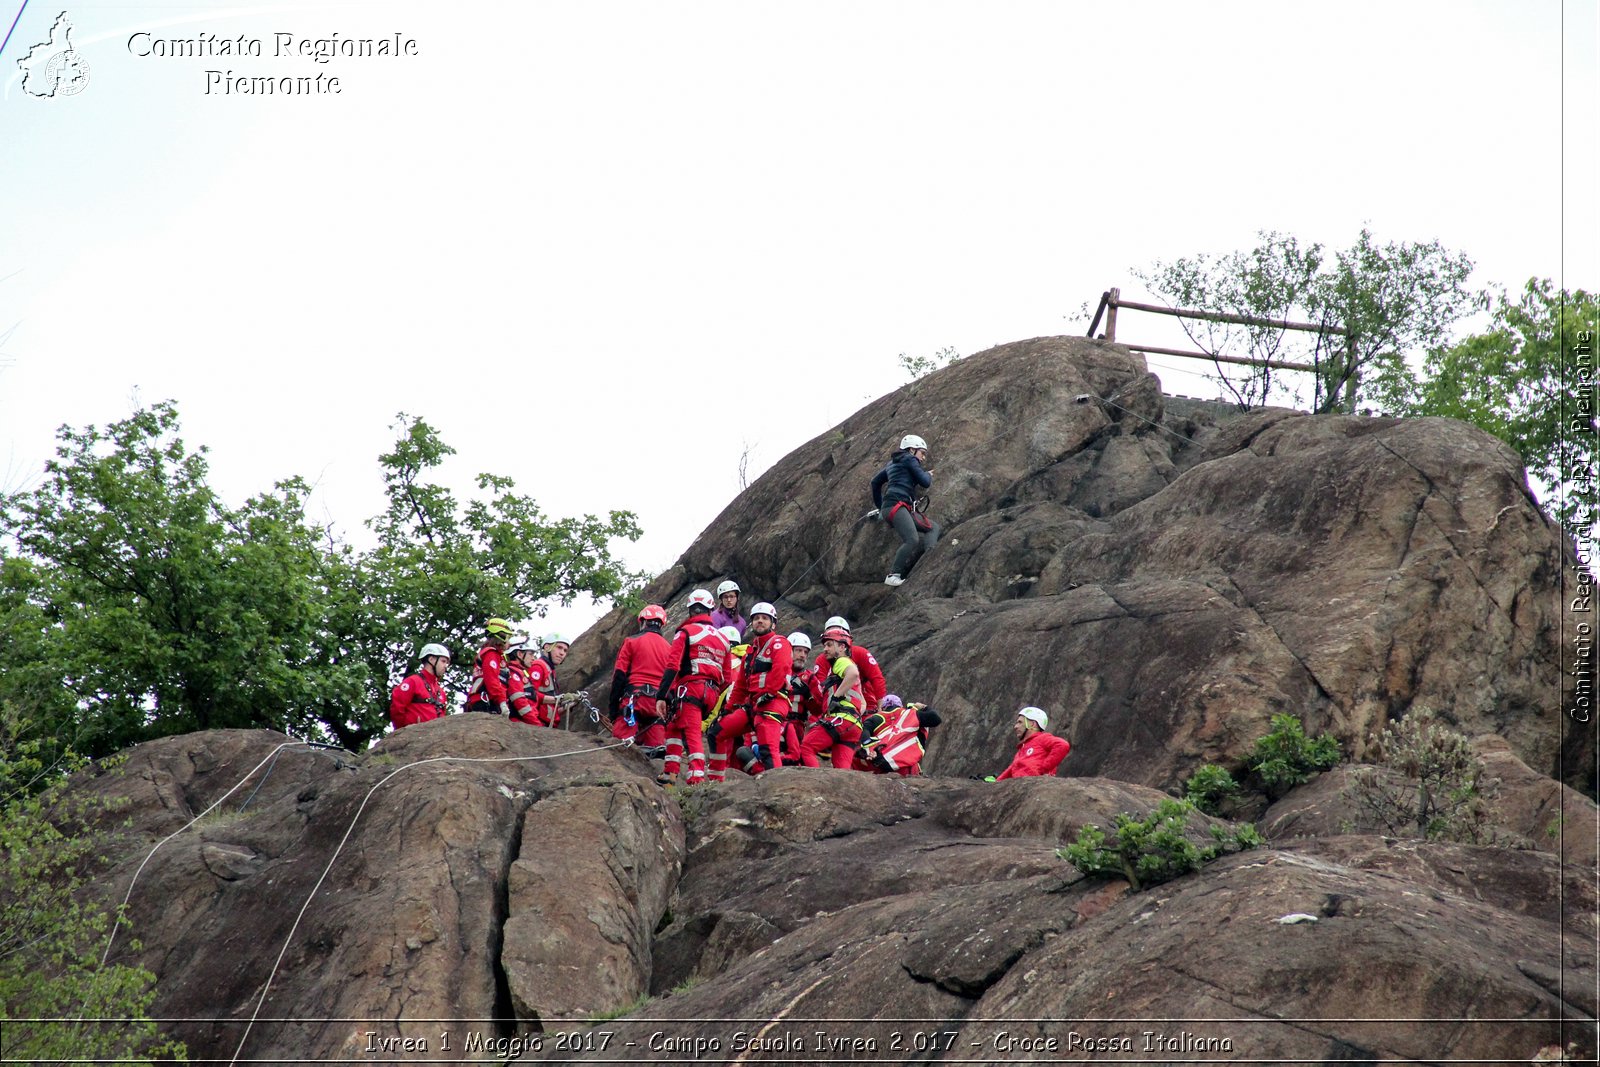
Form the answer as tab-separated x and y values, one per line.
273	755
287	941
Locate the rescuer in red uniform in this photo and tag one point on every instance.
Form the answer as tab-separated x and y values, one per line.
873	685
547	705
895	738
760	696
1038	753
520	693
487	691
838	730
732	668
806	696
421	696
641	663
690	686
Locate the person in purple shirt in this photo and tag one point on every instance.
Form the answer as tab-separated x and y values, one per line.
727	613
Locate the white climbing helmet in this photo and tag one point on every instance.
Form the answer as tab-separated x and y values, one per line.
729	586
731	633
1035	716
766	609
799	640
702	598
836	620
433	650
556	639
911	440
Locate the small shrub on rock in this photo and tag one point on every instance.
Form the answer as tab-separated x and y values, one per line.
1286	757
1210	788
1436	790
1153	849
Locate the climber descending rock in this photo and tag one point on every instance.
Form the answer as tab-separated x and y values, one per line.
893	499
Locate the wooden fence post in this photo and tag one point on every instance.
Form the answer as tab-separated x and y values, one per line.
1111	314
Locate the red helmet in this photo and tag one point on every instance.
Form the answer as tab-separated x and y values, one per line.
653	613
836	633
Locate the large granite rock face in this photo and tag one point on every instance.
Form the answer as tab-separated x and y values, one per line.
475	887
1162	584
467	868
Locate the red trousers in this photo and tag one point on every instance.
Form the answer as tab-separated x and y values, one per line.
684	731
731	728
647	730
838	737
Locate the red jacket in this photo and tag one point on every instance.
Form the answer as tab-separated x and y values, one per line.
698	650
521	696
1038	755
641	662
765	677
486	685
417	699
896	736
542	691
809	697
872	683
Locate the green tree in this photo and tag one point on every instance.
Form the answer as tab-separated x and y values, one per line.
1395	300
143	605
58	1001
156	608
441	567
1519	381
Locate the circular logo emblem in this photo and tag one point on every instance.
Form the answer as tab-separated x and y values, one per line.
68	72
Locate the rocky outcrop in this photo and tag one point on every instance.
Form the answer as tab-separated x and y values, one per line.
1162	584
1162	581
468	868
501	885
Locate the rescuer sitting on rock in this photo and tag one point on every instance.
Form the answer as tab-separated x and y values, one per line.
896	736
1038	753
838	730
873	684
893	489
421	696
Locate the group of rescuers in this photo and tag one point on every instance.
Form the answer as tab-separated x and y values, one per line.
723	690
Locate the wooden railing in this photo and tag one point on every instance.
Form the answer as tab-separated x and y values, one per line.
1111	300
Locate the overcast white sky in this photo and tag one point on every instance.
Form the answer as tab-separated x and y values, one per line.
560	230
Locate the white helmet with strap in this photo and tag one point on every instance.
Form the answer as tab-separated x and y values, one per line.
911	440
